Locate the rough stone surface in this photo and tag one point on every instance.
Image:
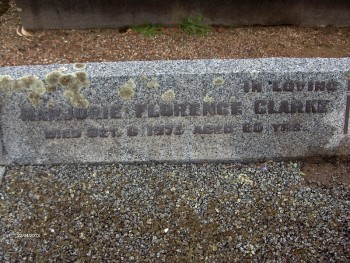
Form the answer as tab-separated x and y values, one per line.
217	110
57	14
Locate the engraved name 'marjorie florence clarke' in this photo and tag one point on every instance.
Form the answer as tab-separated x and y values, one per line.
139	110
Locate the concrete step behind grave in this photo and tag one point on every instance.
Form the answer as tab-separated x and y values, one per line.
58	14
179	111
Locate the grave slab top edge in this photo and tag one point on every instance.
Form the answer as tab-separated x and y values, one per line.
195	67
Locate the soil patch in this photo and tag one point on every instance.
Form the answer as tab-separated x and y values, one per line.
68	46
327	173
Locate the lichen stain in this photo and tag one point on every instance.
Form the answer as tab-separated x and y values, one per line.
78	100
79	66
36	88
74	84
168	96
83	78
33	85
208	99
127	90
233	99
36	91
62	69
53	77
153	84
51	104
30	83
64	80
254	74
144	78
6	83
219	81
23	83
52	80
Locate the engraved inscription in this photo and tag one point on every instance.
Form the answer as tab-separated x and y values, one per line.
287	127
132	131
308	106
63	134
255	127
291	86
165	130
233	112
140	110
213	129
102	132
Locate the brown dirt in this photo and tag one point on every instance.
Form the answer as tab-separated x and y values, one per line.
64	46
67	46
327	173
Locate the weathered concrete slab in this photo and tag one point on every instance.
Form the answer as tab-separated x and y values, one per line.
56	14
216	110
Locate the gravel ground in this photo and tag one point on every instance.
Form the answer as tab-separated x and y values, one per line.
172	213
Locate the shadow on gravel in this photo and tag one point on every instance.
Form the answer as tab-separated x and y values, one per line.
4	6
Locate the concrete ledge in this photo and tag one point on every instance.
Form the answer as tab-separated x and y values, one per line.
57	14
178	111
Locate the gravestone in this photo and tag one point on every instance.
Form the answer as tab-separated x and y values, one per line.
178	111
59	14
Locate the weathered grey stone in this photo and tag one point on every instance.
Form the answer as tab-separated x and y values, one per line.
2	173
55	14
218	110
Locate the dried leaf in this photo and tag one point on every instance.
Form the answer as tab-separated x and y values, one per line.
25	32
18	33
